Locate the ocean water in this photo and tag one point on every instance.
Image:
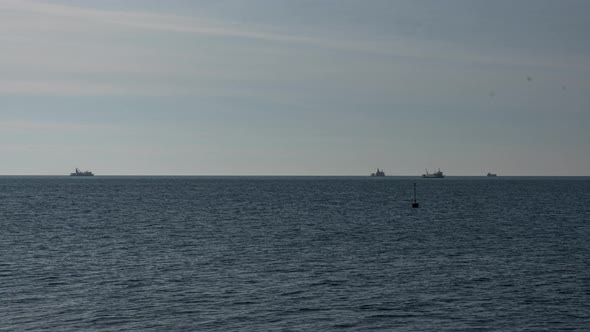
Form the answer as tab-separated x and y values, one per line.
294	254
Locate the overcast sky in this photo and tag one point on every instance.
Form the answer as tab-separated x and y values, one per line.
295	87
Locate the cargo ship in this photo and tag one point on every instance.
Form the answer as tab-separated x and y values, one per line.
434	175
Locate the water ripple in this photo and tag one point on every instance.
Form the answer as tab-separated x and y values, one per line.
234	254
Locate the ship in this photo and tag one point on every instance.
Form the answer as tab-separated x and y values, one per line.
435	175
80	173
379	172
491	174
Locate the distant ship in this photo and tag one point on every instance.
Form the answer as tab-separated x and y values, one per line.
492	174
378	173
80	173
438	174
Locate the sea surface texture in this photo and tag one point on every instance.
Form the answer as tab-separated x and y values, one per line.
294	254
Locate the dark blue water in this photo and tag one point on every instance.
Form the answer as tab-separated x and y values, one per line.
294	254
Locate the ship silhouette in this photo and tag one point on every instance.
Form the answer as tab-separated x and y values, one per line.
434	175
379	172
80	173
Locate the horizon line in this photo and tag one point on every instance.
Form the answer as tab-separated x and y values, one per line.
284	175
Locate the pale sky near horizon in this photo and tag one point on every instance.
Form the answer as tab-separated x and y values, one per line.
285	87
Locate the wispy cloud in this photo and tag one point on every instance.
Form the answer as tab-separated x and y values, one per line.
38	126
38	87
58	49
43	16
137	20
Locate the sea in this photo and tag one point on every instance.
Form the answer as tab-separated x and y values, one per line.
294	254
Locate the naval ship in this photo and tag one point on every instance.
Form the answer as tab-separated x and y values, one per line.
379	172
80	173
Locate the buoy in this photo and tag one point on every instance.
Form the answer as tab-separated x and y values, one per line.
415	203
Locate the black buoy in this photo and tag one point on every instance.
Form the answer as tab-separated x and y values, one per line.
415	203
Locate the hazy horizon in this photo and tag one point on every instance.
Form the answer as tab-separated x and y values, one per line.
296	88
417	176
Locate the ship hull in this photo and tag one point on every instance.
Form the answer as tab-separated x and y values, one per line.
435	175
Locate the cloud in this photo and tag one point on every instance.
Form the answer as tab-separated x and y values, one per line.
42	16
37	126
54	49
37	87
136	20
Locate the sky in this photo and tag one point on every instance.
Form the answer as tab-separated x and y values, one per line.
304	87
